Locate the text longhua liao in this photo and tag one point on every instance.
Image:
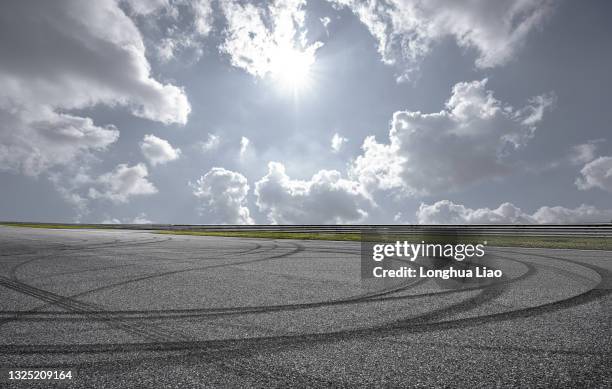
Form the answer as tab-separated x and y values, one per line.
411	251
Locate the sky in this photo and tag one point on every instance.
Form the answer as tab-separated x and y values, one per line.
305	111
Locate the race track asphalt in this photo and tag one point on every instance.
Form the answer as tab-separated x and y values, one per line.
127	308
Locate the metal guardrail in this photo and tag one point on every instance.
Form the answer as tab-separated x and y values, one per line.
596	230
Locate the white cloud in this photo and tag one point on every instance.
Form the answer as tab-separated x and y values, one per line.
596	174
260	39
158	151
123	183
35	138
211	143
223	194
173	27
582	214
467	141
325	198
337	142
447	212
244	145
69	55
406	30
79	188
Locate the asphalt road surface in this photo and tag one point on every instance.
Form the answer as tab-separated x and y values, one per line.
126	308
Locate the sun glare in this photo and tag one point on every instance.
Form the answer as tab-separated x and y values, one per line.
292	68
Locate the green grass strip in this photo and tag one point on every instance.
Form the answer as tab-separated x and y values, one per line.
267	234
553	242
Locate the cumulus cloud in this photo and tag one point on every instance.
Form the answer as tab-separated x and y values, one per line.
65	56
158	151
325	198
265	38
596	174
465	142
223	195
406	30
337	142
447	212
35	138
582	214
123	183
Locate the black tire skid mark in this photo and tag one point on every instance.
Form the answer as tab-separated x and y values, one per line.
217	351
17	314
59	243
605	276
147	332
101	245
223	346
377	296
15	269
62	247
172	272
139	263
485	295
227	310
239	367
530	272
284	341
101	311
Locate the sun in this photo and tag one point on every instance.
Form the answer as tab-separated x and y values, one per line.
292	68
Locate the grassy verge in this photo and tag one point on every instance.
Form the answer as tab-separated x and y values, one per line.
559	242
550	242
562	242
267	234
